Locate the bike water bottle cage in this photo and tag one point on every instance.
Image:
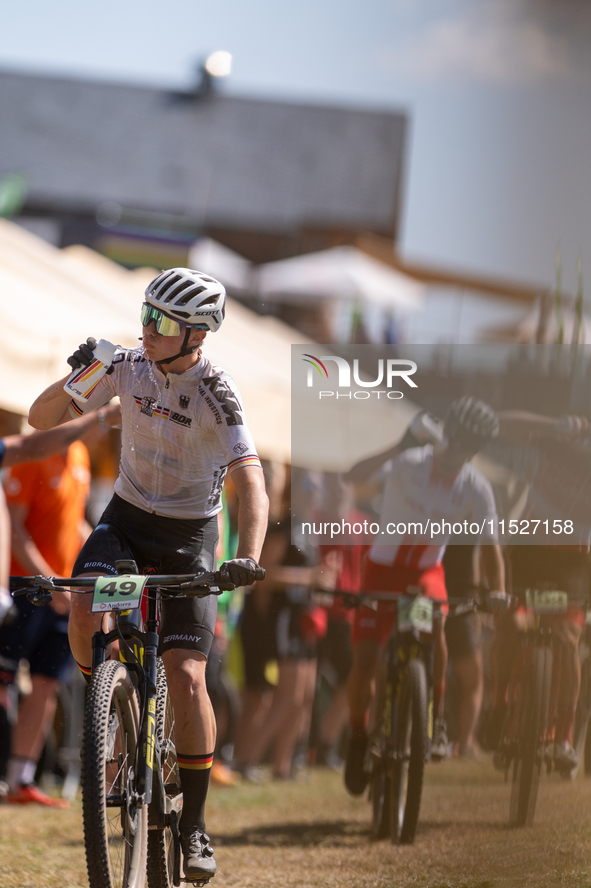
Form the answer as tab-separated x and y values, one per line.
165	325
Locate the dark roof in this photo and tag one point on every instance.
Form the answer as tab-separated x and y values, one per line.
226	160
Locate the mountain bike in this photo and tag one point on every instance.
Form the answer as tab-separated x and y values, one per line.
528	733
131	793
400	743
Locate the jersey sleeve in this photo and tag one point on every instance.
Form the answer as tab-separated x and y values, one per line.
105	389
225	416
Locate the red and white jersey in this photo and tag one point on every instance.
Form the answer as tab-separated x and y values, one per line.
415	494
181	433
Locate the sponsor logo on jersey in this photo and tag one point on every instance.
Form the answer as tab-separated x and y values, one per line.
225	397
149	407
180	419
240	447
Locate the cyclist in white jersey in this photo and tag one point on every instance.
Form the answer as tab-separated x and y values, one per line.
183	429
433	483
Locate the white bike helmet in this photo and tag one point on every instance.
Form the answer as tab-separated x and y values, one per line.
189	296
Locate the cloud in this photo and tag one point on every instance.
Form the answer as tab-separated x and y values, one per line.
494	42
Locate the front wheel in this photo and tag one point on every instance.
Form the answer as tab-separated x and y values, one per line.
161	837
534	702
412	741
115	825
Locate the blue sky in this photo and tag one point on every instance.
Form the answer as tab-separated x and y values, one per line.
498	92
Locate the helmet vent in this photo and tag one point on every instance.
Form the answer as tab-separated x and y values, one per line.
189	294
158	287
175	286
211	300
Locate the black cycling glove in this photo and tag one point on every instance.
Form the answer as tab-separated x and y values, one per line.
242	571
85	355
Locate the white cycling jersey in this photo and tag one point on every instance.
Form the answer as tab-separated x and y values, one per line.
181	433
417	501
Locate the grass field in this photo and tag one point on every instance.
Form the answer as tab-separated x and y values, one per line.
313	835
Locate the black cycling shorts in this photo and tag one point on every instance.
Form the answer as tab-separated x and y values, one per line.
161	545
463	635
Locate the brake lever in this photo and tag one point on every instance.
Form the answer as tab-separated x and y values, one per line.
41	592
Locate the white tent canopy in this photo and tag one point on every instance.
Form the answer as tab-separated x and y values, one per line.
211	257
53	299
343	273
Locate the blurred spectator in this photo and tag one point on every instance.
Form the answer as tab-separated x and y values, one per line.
46	500
340	569
282	603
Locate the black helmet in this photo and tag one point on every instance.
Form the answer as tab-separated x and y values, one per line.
470	422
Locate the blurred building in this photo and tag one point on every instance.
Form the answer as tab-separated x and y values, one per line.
138	173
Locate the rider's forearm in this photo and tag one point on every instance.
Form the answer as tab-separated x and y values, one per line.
51	407
253	507
364	469
520	425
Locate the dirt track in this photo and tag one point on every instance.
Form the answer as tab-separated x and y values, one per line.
313	835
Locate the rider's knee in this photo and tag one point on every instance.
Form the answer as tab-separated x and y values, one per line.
185	674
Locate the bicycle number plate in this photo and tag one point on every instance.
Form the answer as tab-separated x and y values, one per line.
415	613
117	593
547	601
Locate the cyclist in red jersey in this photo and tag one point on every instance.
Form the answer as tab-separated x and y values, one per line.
432	482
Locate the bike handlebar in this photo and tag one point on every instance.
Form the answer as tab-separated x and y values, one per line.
478	600
189	585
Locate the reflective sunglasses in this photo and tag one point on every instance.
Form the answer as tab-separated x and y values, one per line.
164	325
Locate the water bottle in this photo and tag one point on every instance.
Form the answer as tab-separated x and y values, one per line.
81	383
427	429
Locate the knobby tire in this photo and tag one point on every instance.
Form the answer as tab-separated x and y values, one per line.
381	750
408	766
160	841
535	697
115	836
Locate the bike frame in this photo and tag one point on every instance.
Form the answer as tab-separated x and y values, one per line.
401	648
126	628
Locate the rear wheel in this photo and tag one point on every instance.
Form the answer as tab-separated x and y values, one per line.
408	767
161	840
534	701
380	755
115	827
581	734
